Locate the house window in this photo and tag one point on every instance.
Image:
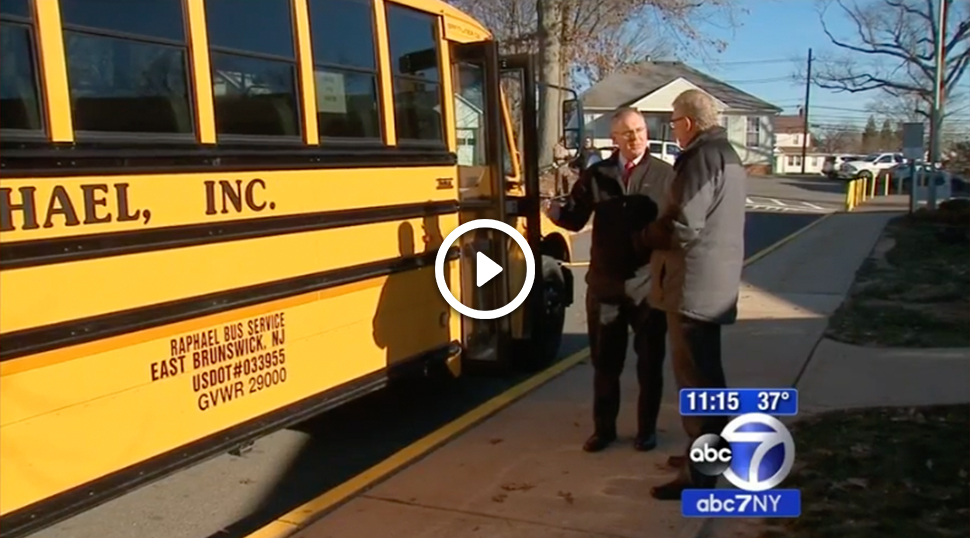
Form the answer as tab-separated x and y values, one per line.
798	140
724	121
791	160
753	138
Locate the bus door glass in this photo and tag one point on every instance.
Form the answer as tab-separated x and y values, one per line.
520	152
478	123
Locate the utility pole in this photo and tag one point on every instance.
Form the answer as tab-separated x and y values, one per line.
808	90
936	116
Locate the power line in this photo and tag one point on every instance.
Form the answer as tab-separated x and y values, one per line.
761	80
761	62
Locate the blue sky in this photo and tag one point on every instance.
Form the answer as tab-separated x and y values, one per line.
762	50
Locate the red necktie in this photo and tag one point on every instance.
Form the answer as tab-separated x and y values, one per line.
630	165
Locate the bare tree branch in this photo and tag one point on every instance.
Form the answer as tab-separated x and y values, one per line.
590	39
892	49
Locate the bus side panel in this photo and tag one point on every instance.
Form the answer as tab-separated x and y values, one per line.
62	292
82	205
72	419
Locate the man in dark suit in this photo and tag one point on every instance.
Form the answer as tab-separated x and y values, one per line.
622	193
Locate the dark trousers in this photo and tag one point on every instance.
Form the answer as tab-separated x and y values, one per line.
607	342
695	350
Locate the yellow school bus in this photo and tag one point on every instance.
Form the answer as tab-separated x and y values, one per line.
218	218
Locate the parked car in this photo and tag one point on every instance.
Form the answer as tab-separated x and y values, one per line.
833	163
870	166
668	151
905	172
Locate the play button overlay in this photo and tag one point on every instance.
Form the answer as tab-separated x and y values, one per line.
485	268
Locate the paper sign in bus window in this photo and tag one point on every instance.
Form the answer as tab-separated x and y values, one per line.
331	96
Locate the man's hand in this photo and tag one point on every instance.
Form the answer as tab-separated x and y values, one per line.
552	208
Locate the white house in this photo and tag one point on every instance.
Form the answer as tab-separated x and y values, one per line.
789	136
468	127
652	86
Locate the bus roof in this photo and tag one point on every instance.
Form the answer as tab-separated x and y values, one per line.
459	26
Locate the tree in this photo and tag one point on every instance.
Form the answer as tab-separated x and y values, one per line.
888	140
836	138
893	50
870	136
578	42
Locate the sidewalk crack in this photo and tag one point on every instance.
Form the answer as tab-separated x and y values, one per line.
493	516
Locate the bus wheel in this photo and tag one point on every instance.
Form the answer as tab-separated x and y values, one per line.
545	344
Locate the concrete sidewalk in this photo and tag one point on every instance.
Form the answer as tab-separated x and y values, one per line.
522	473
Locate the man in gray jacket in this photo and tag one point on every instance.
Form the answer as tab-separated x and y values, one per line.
698	252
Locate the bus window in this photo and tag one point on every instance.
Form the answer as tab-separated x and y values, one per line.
470	114
345	68
254	69
19	96
126	66
413	40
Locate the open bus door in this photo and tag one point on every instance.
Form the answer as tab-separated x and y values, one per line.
497	182
478	125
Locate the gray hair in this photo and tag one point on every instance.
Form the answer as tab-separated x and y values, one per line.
700	107
623	112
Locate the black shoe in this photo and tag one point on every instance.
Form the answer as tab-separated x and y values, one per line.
645	443
598	441
670	491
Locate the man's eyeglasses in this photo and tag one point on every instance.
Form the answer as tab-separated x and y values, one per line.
673	122
631	134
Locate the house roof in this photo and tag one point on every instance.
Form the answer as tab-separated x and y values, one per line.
631	85
789	124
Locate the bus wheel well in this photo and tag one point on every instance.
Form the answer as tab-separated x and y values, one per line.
554	245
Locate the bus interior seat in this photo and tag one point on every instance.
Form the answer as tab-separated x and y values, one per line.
152	114
256	115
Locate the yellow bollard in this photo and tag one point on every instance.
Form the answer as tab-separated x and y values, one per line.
885	185
872	187
848	196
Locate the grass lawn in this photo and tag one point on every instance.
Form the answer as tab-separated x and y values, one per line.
888	473
875	473
914	290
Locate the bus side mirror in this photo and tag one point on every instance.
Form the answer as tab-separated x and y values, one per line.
572	123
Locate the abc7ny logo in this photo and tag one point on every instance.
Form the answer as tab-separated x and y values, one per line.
755	452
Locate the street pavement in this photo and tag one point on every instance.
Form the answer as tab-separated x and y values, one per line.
231	496
759	203
805	192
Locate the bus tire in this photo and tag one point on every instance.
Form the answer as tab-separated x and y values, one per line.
544	348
